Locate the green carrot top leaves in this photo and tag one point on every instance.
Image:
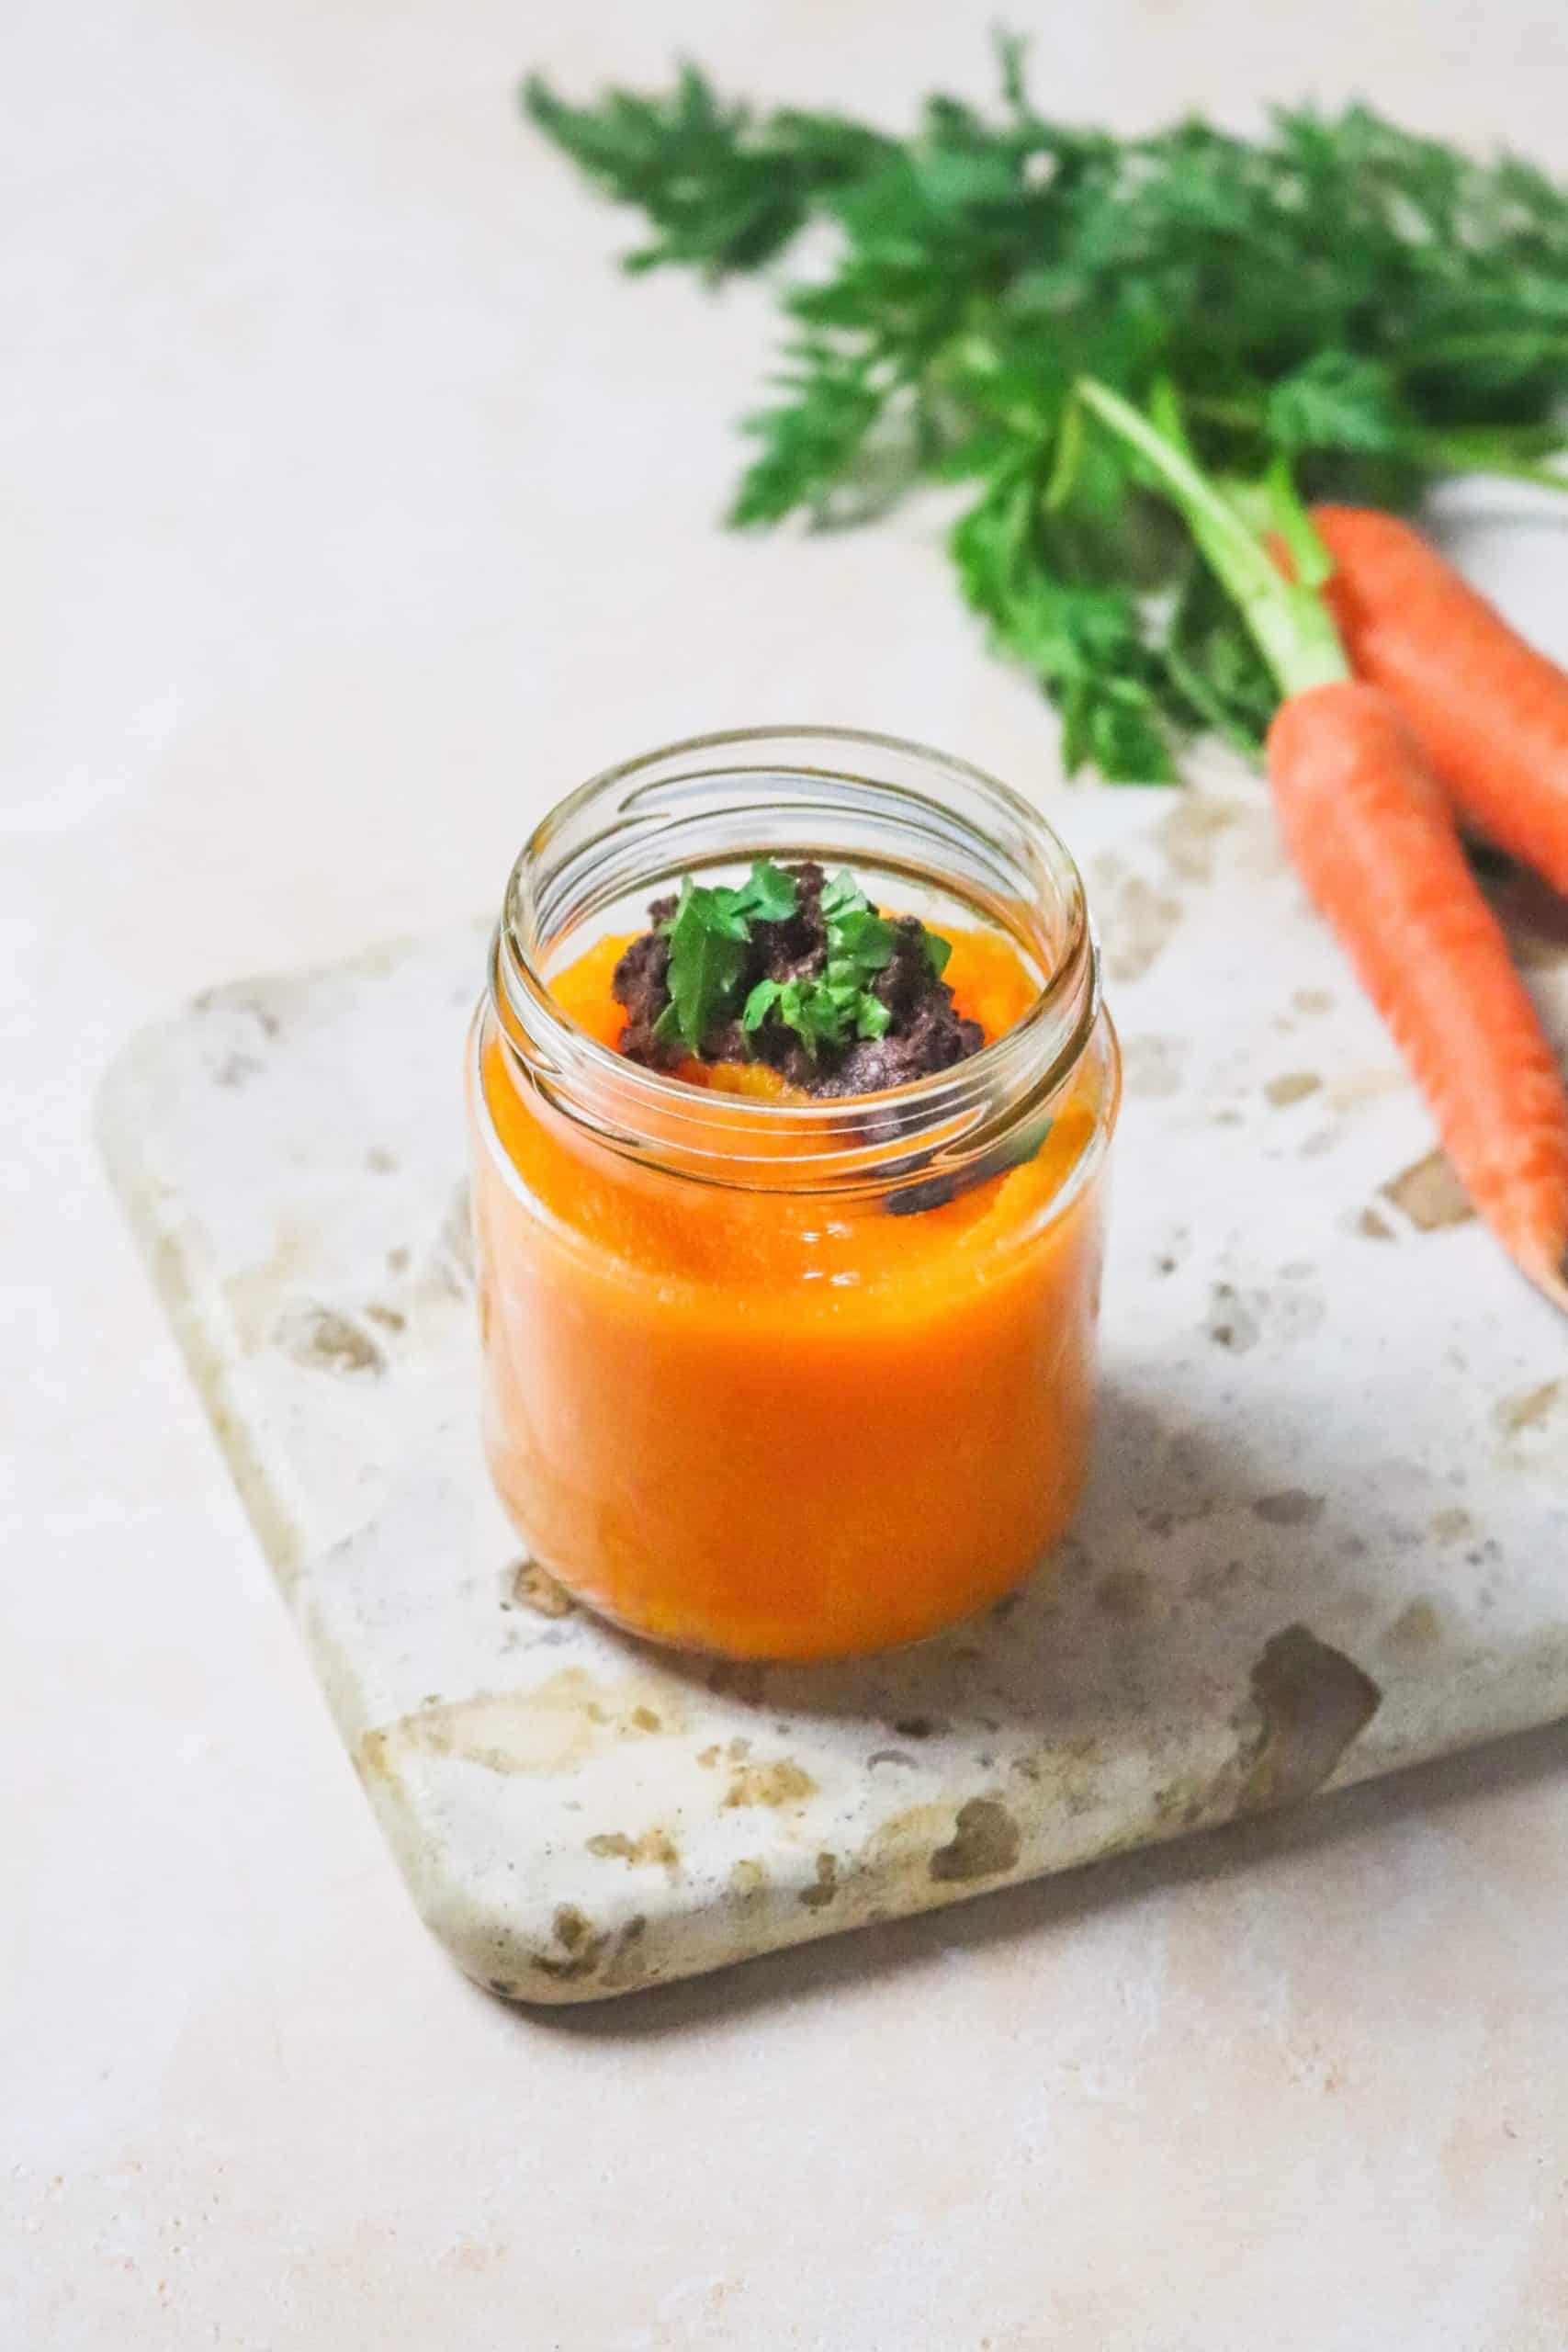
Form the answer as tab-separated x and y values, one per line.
1372	306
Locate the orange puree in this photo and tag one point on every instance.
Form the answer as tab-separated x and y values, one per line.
774	1424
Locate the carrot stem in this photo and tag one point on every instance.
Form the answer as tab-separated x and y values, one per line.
1293	628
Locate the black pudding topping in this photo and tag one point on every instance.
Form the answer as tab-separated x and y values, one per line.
924	1031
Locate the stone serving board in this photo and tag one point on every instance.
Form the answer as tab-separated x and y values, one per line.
1327	1535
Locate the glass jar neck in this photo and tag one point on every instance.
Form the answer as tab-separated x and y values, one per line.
927	823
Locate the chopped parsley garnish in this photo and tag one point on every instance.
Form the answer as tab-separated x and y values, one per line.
712	939
709	933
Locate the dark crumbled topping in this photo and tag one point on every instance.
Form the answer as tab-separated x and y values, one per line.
898	992
641	984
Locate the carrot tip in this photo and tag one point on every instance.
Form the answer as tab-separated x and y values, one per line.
1552	1283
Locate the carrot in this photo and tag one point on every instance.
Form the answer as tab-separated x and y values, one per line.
1490	712
1372	832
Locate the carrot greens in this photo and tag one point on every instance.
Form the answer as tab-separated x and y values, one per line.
1370	306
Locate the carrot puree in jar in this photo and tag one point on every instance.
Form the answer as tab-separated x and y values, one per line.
773	1424
788	1207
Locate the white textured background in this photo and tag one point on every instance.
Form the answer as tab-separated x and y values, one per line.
353	509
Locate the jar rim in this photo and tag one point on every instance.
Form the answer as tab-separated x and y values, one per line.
945	1119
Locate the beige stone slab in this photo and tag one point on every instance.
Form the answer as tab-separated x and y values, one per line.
1325	1537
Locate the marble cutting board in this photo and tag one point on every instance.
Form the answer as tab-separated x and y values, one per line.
1327	1535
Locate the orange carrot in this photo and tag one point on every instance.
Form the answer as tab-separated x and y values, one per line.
1371	835
1490	712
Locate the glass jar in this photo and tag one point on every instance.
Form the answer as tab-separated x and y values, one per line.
800	1378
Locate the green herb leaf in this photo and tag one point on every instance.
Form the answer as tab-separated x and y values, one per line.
708	938
770	894
758	1004
807	1007
843	895
709	933
862	939
938	953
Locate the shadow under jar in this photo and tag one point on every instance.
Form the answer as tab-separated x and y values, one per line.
789	1378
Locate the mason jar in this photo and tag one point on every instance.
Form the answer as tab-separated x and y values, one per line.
775	1377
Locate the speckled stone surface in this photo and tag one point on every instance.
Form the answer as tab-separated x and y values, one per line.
1324	1538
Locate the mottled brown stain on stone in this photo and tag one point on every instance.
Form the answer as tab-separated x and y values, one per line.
1137	921
748	1879
1314	1702
817	1897
1527	1410
533	1587
1125	1593
1374	1226
908	1838
1312	1000
1218	1579
1449	1525
654	1850
373	1762
1188	835
263	1299
1232	1323
1292	1086
328	1341
984	1844
627	1964
1418	1627
612	1843
582	1947
780	1783
1291	1507
1429	1194
549	1728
